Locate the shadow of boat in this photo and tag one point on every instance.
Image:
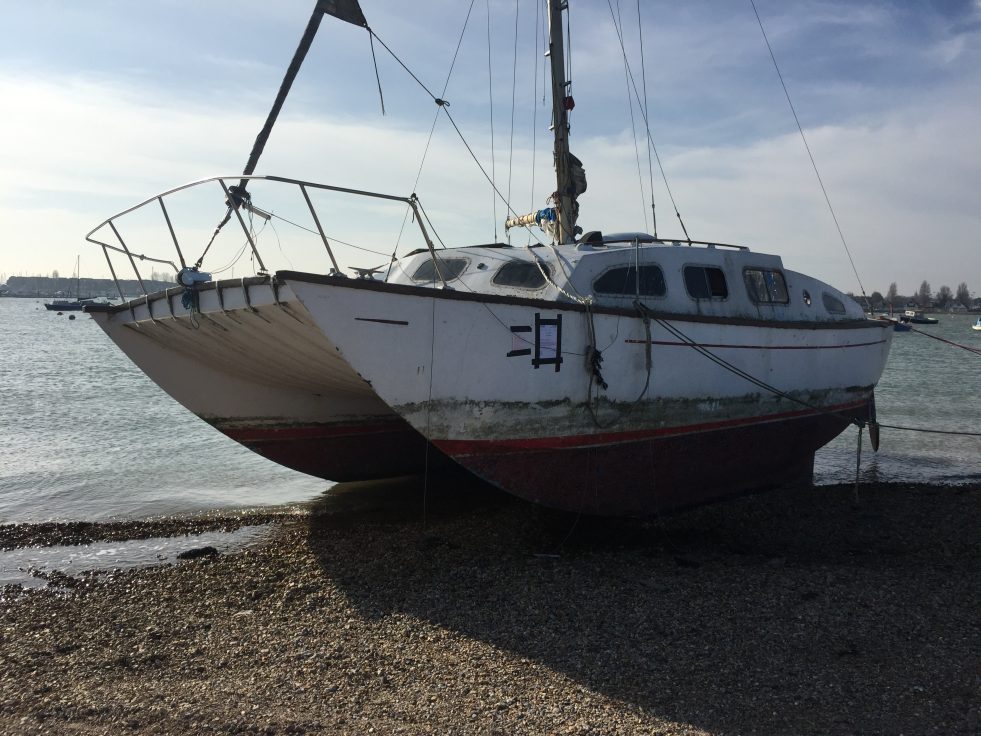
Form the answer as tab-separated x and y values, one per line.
801	612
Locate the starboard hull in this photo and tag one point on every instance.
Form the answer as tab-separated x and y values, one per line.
697	432
647	475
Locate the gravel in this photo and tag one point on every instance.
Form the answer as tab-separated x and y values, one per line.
462	611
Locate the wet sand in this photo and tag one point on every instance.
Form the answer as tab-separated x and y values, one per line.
468	612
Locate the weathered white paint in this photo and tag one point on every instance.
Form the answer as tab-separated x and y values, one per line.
447	371
264	365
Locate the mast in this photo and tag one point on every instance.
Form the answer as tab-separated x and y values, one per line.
559	221
564	197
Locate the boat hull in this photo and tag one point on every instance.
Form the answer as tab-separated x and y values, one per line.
644	476
250	362
689	430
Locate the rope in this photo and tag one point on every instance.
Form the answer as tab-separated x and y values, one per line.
594	358
761	384
948	342
824	191
752	379
189	300
931	431
858	461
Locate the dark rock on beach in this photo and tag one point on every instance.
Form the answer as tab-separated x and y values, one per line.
198	552
393	609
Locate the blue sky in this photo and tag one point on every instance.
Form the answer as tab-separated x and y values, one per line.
108	102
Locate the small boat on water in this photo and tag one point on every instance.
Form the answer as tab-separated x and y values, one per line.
612	372
977	325
916	317
68	304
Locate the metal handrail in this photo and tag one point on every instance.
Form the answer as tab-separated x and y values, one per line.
235	205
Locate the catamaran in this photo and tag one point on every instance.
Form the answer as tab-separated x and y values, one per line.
605	371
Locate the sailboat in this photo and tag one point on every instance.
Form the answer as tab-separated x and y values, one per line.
603	372
71	305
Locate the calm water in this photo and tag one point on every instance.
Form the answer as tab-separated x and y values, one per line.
85	435
926	384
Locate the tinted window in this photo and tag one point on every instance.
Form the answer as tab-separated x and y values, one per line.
523	274
833	305
449	268
704	282
624	281
766	286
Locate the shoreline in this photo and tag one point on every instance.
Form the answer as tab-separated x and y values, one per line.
793	612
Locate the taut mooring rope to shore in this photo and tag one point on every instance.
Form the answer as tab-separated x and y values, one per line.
968	348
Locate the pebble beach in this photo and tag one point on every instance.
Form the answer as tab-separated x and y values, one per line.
394	608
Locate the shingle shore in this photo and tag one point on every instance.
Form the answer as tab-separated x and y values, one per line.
803	612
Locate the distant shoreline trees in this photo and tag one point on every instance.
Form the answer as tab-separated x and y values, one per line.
924	298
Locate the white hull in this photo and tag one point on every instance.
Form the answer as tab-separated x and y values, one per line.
450	364
253	364
452	377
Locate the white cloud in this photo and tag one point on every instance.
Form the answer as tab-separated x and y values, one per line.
902	179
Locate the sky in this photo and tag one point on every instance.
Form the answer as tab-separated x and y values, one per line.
108	102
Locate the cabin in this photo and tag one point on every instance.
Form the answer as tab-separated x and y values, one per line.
613	271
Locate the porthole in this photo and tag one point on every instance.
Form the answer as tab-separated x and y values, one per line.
832	304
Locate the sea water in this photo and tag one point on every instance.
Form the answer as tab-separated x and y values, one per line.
928	384
84	435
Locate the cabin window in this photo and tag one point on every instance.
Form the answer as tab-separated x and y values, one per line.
449	268
832	304
766	286
625	281
523	274
705	282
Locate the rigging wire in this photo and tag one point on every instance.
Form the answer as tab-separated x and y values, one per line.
643	77
824	191
633	127
330	238
534	115
647	124
444	105
432	128
514	85
490	94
